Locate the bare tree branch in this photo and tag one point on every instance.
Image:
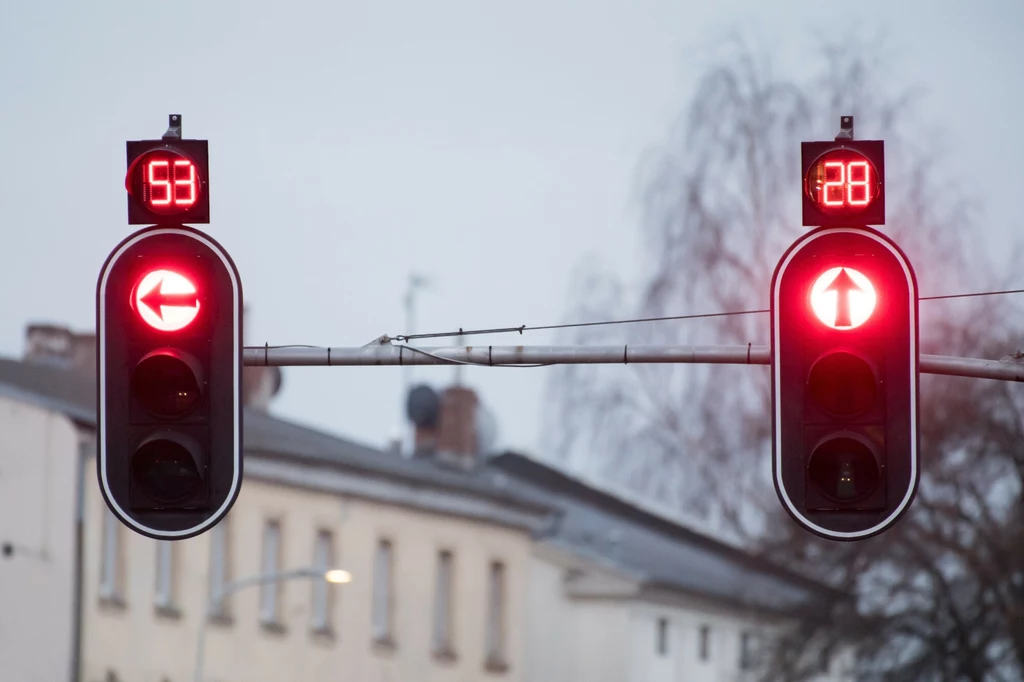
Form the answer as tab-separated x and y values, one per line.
941	595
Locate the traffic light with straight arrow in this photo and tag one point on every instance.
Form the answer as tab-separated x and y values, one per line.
844	359
169	352
844	352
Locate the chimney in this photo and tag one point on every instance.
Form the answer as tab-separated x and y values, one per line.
58	345
457	429
446	424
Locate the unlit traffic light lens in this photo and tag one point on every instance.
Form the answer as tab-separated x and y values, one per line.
842	384
165	468
167	383
844	469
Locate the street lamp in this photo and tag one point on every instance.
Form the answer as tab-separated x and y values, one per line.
334	575
337	576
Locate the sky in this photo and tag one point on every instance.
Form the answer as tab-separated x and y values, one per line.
489	147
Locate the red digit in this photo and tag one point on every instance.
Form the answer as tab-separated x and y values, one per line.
854	197
154	181
189	198
836	197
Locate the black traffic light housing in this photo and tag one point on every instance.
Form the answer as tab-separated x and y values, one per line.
843	180
169	362
844	372
168	180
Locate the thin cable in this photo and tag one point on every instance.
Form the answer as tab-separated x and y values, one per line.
979	293
522	328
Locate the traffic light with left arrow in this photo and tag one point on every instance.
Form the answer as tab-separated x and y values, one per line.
169	353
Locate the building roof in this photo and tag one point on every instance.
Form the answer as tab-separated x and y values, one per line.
659	553
62	389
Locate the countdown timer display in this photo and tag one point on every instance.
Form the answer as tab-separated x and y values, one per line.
165	182
168	182
842	182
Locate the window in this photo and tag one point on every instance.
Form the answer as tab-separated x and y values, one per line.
752	647
270	591
662	637
496	617
383	599
824	660
745	650
320	614
443	605
112	560
165	579
219	570
704	643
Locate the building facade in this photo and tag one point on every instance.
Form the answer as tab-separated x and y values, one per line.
619	594
439	560
463	567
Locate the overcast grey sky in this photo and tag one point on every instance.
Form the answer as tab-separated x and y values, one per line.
486	145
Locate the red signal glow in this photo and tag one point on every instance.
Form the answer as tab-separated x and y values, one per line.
843	298
164	181
842	182
166	300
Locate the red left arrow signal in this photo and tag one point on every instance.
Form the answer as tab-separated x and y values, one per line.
166	300
156	299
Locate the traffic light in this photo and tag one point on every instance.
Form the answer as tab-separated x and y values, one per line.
844	180
844	366
169	354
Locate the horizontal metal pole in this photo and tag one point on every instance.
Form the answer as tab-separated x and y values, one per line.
318	356
1003	370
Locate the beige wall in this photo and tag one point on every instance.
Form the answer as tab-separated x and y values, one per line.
600	626
572	639
39	454
142	646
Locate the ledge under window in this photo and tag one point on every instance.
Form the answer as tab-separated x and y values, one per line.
223	619
169	611
445	655
112	601
273	627
322	634
384	645
496	665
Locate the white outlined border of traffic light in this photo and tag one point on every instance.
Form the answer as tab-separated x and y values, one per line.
101	455
796	248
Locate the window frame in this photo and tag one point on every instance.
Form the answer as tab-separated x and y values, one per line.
496	623
443	623
382	605
270	606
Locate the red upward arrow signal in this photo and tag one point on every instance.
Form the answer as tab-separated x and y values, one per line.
155	300
843	284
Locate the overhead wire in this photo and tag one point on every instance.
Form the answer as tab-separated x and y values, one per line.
405	338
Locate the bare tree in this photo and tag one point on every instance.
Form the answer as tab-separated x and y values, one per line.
939	597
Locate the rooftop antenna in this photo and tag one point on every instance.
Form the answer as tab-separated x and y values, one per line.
416	283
